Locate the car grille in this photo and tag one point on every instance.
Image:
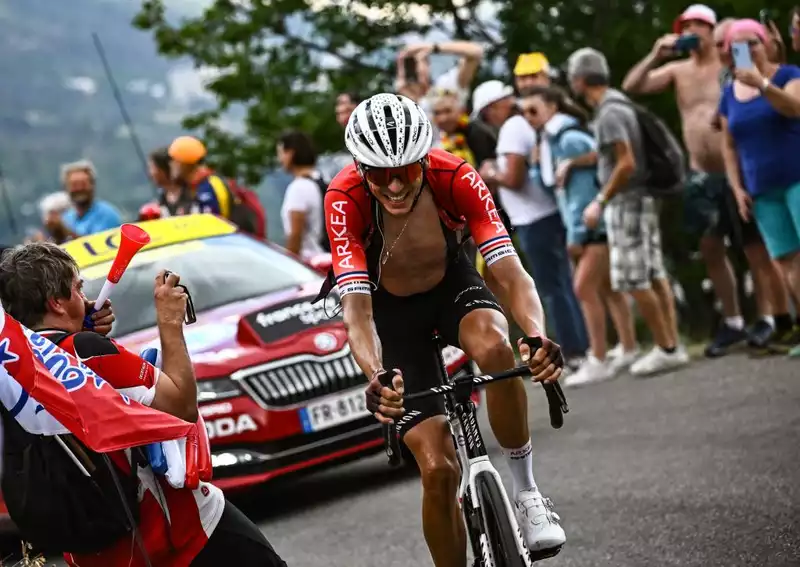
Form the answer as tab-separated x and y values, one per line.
301	378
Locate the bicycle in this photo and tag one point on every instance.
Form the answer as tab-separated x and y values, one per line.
494	533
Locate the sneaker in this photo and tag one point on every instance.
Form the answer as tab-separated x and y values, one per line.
538	522
591	371
658	360
782	342
683	354
725	338
616	351
573	363
759	334
621	360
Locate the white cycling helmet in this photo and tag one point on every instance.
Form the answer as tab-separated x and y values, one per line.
388	130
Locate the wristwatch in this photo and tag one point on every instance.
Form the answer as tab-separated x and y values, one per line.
601	200
765	85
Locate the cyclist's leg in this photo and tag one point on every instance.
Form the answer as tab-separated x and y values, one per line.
432	446
405	327
474	321
237	541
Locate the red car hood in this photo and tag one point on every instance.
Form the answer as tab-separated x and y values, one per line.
255	331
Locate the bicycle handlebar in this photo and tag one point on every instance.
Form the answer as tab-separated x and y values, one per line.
556	402
474	380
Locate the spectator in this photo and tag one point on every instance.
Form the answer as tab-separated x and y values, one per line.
564	126
794	28
40	286
174	199
53	207
209	192
88	215
761	123
631	216
301	212
469	139
457	79
531	70
345	105
533	213
709	210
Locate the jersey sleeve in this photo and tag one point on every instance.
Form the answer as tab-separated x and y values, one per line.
474	202
125	371
345	226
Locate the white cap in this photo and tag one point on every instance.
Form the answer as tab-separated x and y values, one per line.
487	93
699	12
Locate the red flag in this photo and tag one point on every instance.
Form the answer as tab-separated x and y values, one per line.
48	391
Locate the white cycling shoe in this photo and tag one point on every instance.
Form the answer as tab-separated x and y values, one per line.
539	523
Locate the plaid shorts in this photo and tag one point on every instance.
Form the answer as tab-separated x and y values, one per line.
634	242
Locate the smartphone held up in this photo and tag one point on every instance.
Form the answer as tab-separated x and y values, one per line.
740	51
686	43
410	69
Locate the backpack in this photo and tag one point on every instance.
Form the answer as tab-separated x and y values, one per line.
316	177
54	504
247	212
665	160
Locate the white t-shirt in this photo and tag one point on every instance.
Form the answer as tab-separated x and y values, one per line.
303	195
529	203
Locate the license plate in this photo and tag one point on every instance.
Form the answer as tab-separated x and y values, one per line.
334	410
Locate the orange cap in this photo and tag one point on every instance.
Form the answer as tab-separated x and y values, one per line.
187	149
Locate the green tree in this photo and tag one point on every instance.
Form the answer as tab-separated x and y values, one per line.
272	58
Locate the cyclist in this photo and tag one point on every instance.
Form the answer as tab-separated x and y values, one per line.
395	218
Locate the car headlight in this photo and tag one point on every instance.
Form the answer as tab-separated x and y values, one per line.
217	389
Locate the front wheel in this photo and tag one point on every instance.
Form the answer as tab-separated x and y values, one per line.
498	538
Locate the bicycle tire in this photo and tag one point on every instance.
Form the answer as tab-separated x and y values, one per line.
496	525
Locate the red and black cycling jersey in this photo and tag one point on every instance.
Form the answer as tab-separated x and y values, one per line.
461	196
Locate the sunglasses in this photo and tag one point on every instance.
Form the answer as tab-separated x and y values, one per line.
529	111
382	176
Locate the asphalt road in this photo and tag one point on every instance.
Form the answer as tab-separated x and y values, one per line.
695	468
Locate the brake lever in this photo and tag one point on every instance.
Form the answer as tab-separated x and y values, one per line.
391	440
556	400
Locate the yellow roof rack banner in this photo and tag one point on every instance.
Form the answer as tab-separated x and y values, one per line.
102	247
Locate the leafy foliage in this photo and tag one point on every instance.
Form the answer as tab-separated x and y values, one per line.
285	60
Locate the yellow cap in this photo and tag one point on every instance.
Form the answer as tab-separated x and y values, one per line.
531	64
187	149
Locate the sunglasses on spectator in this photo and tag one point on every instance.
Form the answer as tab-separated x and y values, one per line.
529	111
382	176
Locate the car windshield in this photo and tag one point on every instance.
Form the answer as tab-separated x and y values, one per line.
217	271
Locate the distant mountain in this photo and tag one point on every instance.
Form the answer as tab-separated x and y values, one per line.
56	104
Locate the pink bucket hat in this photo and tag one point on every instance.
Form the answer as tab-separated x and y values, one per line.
746	25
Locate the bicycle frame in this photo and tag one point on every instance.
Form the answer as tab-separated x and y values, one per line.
474	461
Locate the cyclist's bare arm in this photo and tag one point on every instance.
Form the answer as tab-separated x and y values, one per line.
473	200
361	333
519	293
345	223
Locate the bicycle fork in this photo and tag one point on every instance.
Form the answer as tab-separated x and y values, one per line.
475	462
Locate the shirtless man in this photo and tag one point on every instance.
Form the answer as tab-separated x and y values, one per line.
709	208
